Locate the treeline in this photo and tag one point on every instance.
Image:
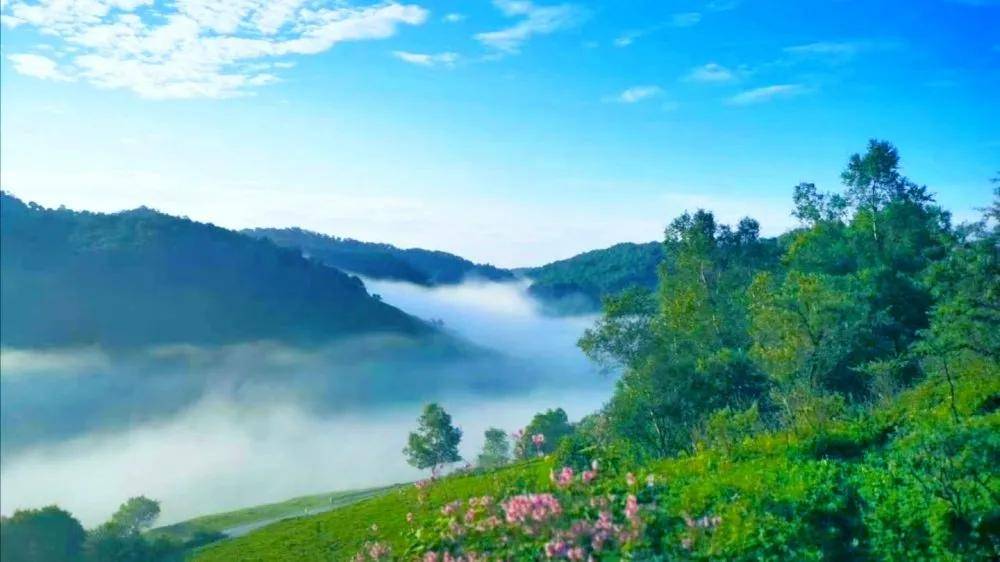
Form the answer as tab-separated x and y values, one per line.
51	534
876	290
141	277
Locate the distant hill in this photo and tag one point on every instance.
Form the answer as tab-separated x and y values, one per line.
577	284
382	261
142	277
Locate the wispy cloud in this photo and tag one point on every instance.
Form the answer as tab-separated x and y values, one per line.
767	93
427	59
711	72
637	94
840	51
534	20
685	19
627	38
453	17
195	48
36	66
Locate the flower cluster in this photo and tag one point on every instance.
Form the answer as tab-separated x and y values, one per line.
531	507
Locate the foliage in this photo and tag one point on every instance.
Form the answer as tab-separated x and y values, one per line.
41	535
543	434
141	277
580	283
382	261
435	443
496	449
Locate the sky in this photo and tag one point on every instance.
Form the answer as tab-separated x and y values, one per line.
510	132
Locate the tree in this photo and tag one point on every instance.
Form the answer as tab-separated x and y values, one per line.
496	449
552	425
136	514
435	443
41	535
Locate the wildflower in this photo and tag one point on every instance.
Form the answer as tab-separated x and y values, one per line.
374	527
630	479
378	551
563	478
451	508
431	557
409	518
632	509
555	549
593	465
650	480
531	507
588	476
575	553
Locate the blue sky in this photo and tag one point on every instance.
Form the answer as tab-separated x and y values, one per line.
509	131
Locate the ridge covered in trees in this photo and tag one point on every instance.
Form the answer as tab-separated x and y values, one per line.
143	277
383	261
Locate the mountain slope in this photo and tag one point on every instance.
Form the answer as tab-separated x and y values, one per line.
578	283
142	277
382	261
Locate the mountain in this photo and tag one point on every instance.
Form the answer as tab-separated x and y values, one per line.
577	284
142	277
382	261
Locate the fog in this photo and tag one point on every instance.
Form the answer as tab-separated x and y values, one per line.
207	430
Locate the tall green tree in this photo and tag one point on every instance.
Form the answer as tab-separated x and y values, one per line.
496	449
49	534
435	442
552	425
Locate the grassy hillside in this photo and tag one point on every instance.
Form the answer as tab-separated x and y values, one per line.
241	521
340	533
142	277
878	484
578	283
382	261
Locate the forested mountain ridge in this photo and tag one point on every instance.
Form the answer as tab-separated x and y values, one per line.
382	261
143	277
580	282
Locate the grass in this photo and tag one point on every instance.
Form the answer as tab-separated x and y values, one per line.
340	533
261	514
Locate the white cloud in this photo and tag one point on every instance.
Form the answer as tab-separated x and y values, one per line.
840	51
767	93
427	59
636	94
711	72
685	19
200	48
36	66
453	17
627	38
535	20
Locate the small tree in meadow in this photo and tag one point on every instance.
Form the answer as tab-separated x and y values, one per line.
435	442
496	449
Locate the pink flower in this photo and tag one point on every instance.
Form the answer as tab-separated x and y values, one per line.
555	549
531	507
575	553
588	476
378	550
451	508
631	508
563	478
431	557
538	439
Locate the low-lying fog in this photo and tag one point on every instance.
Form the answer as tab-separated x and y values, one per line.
208	430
